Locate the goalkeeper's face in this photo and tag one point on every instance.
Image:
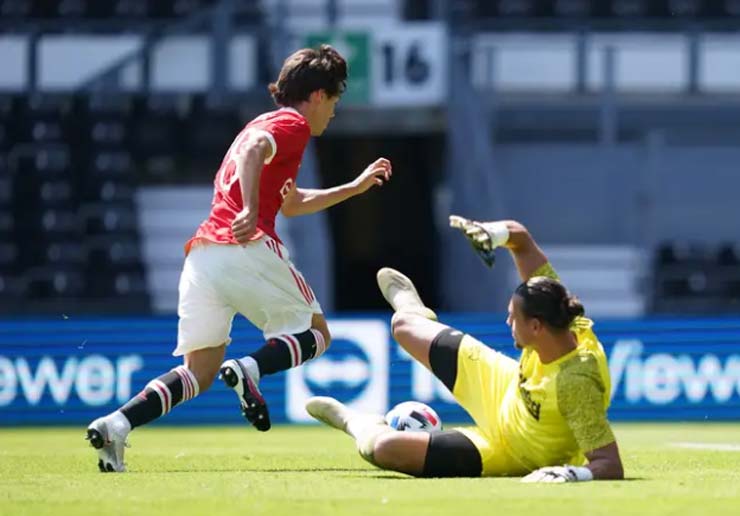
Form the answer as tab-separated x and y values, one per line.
524	330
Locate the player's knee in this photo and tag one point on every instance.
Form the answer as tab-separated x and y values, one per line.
402	324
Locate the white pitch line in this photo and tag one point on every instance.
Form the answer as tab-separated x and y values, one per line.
708	446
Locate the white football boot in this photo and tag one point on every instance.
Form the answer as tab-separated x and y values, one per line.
254	408
364	428
108	436
401	293
329	411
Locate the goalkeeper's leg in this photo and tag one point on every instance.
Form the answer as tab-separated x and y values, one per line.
440	454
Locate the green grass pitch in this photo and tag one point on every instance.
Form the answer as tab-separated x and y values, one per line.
214	471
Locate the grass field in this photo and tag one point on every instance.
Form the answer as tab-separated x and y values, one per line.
672	469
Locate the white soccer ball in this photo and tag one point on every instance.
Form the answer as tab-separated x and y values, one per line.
413	416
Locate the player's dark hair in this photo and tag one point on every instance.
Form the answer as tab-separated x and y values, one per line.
308	70
549	301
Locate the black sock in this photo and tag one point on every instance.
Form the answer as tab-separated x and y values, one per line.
160	395
286	351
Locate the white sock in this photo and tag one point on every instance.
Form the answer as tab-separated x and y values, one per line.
366	428
253	369
119	422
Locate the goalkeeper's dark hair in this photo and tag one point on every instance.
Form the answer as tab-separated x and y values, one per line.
549	301
308	70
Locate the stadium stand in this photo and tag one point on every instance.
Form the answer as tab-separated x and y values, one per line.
74	164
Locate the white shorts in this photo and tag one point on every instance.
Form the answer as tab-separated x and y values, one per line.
258	281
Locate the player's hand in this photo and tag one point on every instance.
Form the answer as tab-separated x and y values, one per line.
477	235
244	225
376	174
558	475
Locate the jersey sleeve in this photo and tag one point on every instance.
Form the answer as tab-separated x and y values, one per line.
580	394
546	270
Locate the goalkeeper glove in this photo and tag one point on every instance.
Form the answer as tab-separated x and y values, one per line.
483	236
559	475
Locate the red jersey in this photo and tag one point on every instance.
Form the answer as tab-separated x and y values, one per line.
288	132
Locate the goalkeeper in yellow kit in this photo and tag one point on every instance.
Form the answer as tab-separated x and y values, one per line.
543	417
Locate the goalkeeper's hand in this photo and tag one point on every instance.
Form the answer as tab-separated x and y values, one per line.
478	237
559	475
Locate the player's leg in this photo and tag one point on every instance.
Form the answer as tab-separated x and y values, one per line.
203	333
279	353
284	307
475	374
414	325
440	454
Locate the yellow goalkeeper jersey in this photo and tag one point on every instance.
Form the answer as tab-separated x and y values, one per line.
553	413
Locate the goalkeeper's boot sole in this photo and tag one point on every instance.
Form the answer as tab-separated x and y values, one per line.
109	444
254	408
401	293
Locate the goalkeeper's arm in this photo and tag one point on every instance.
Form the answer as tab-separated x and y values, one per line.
486	236
604	464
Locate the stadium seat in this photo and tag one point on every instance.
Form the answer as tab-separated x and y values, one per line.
630	8
209	130
684	8
12	290
729	254
59	222
107	190
54	282
572	8
17	9
180	8
114	253
57	193
6	187
45	118
681	253
104	284
38	173
157	140
108	133
109	178
131	9
101	219
9	257
111	164
7	225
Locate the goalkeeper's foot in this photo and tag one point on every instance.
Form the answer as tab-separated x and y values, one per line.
254	407
363	428
337	415
108	436
401	293
329	411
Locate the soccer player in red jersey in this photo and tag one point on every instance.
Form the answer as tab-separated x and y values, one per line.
236	262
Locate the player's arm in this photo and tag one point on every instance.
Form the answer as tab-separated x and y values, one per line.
303	201
249	160
486	236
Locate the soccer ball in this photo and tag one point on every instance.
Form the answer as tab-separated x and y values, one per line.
413	416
